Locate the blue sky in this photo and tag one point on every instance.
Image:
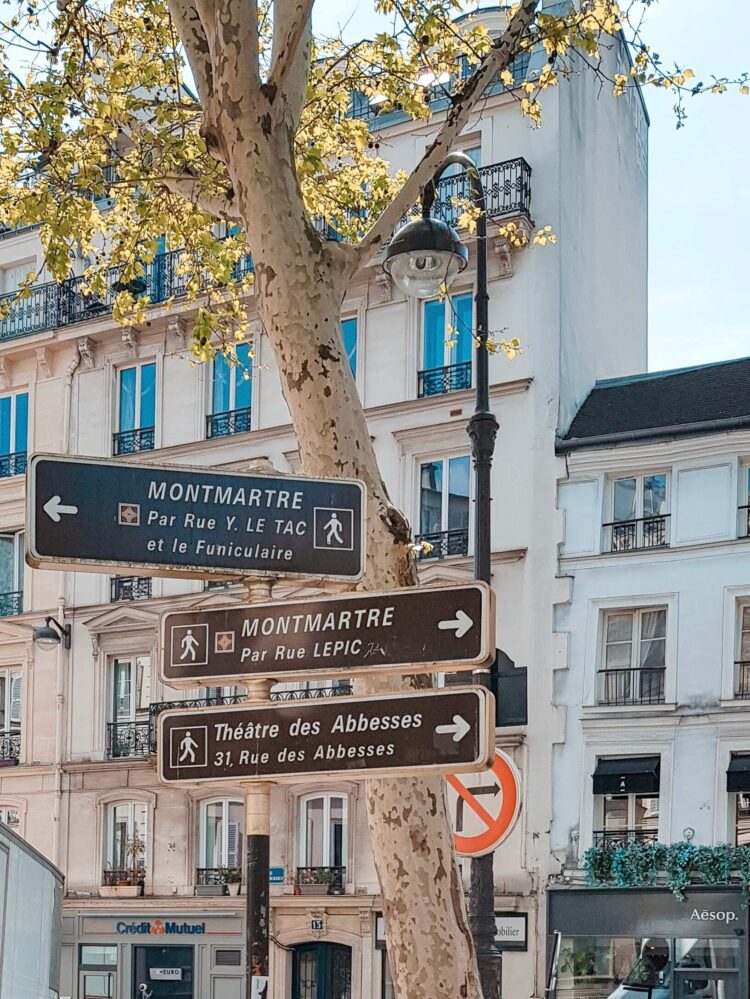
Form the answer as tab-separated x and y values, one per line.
699	181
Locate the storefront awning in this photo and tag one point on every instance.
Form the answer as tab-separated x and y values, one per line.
627	775
738	773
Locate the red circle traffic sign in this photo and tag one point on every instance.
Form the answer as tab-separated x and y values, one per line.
484	806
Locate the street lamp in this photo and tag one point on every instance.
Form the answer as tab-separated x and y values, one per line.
48	637
423	258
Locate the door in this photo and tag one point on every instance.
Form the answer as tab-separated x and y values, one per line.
163	973
322	971
698	983
97	985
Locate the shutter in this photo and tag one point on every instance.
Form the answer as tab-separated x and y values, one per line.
233	838
16	682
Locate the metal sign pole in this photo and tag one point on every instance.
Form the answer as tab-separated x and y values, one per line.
258	844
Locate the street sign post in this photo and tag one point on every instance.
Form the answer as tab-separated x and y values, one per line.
85	514
418	629
439	731
484	806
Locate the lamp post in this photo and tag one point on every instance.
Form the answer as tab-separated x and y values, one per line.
423	258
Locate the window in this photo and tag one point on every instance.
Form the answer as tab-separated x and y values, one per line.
136	409
11	690
231	394
322	842
97	971
634	657
447	340
444	490
349	336
9	817
14	423
742	819
387	991
220	837
129	730
639	514
11	573
125	858
626	800
738	788
742	658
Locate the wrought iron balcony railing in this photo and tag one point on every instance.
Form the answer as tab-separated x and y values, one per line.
632	686
10	748
611	838
234	421
112	876
637	535
742	679
217	875
128	740
439	381
12	464
446	543
11	603
132	441
129	588
320	880
341	689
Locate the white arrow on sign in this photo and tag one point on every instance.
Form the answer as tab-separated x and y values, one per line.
53	508
458	729
460	624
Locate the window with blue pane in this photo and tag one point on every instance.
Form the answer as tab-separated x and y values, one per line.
447	341
444	492
136	409
231	393
349	335
14	422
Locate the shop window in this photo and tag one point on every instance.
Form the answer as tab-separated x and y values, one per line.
322	844
444	492
626	801
97	971
231	393
639	513
11	573
220	842
136	409
447	342
633	667
125	850
129	730
14	421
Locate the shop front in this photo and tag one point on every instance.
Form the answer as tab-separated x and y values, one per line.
141	955
647	944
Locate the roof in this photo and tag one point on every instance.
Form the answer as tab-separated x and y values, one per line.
710	398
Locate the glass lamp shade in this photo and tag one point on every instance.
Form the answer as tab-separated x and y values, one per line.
424	257
46	637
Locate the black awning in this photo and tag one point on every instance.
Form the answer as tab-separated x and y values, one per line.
627	775
738	773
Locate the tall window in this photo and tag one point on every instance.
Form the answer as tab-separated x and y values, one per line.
322	833
742	820
447	340
136	408
444	505
14	423
11	573
634	657
231	394
129	730
126	841
742	657
626	804
11	690
220	839
9	817
639	513
349	335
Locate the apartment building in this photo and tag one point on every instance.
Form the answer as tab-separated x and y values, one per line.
145	863
653	742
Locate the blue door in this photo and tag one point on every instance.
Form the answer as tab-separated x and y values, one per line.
322	971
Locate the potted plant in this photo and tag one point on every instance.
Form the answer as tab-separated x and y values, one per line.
232	879
316	881
130	883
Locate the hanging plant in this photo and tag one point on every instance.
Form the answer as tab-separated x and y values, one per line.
597	865
714	863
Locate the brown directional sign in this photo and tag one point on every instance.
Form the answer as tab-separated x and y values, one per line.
416	629
446	731
86	513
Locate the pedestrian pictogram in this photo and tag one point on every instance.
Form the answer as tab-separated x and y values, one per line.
484	806
188	746
333	528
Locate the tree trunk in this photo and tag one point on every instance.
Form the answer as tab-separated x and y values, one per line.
300	285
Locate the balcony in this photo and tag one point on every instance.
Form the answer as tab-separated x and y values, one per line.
10	748
128	740
129	588
440	381
123	882
132	441
320	881
235	421
636	535
341	689
632	686
445	544
742	679
11	603
217	880
12	464
610	839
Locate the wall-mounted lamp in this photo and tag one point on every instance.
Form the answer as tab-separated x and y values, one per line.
49	637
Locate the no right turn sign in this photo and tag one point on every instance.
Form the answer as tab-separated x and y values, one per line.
484	806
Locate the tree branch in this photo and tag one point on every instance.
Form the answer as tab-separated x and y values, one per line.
220	206
190	29
292	31
497	59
